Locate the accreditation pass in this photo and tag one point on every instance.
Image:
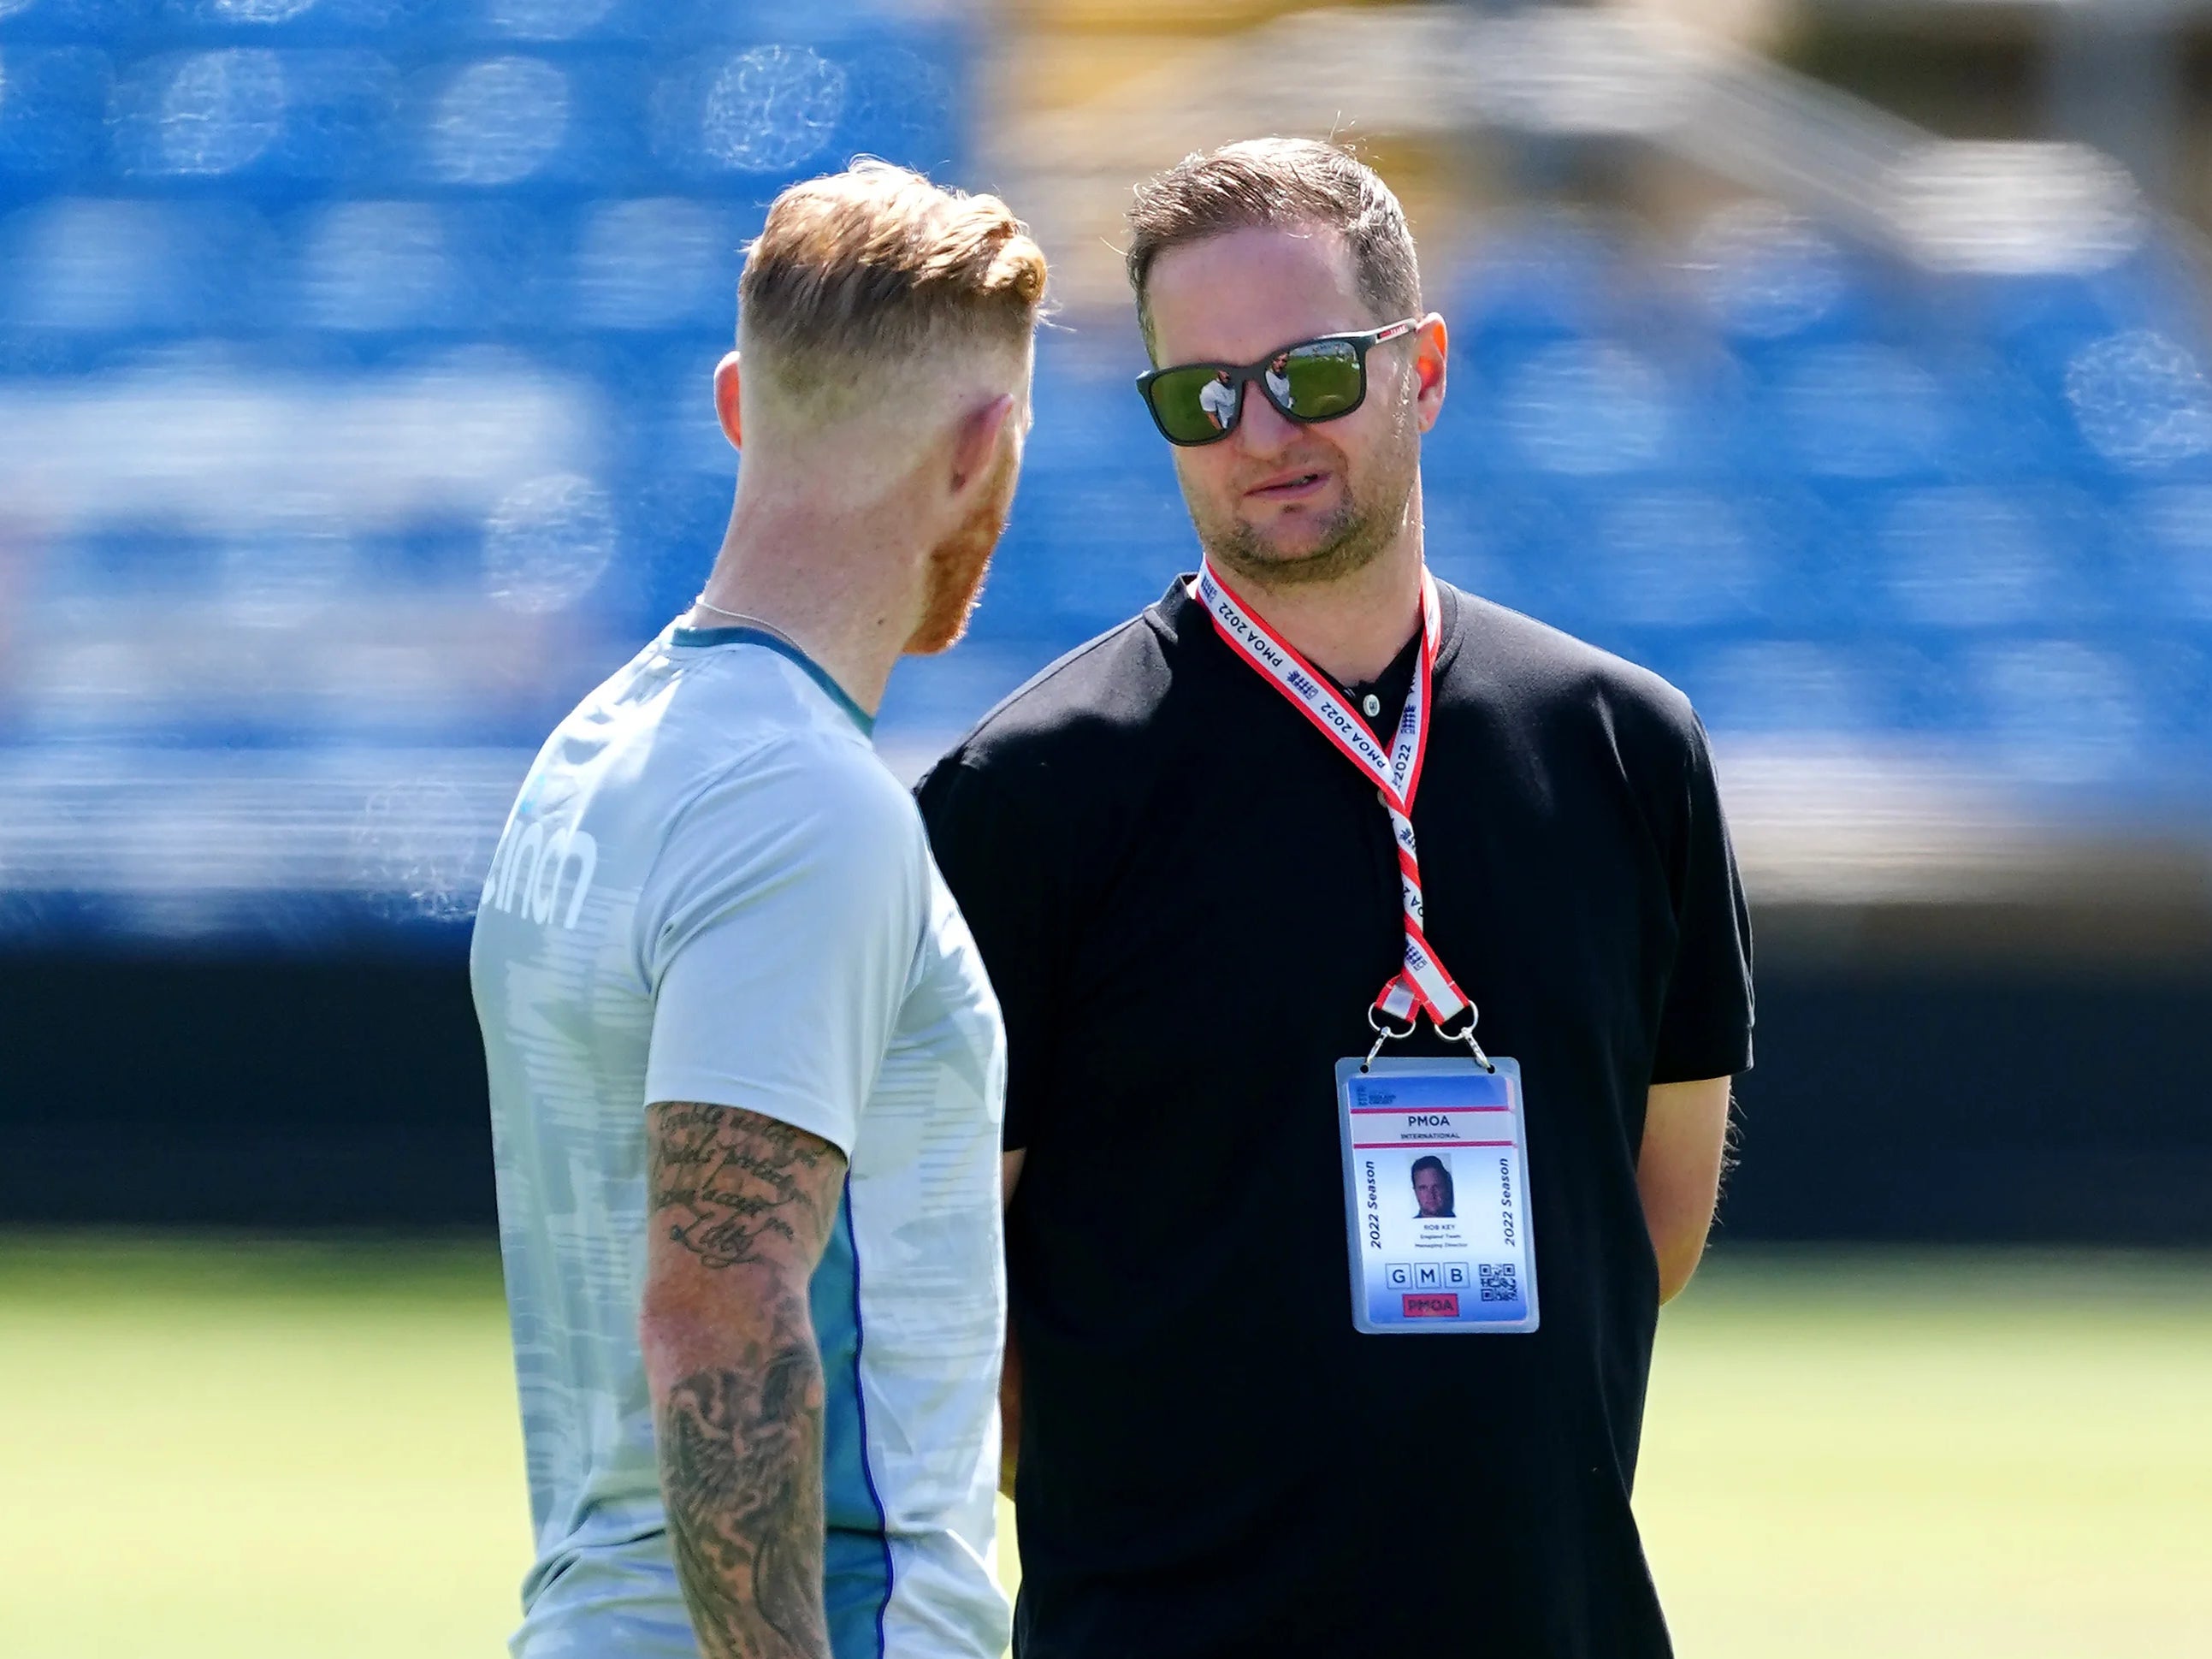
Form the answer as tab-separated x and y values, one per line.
1436	1188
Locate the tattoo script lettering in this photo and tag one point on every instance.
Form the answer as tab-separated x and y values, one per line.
725	1183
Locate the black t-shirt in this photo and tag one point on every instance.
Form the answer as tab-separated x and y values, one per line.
1187	899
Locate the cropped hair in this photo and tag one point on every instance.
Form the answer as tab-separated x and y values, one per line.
1279	184
862	272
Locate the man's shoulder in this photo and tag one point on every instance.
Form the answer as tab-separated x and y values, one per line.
1064	759
1081	708
722	787
1544	673
669	720
797	816
832	782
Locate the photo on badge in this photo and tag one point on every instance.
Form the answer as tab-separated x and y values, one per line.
1432	1186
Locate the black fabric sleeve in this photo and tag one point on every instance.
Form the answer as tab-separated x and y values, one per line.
997	866
1704	1029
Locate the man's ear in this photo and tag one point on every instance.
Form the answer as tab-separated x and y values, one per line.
975	440
726	401
1432	348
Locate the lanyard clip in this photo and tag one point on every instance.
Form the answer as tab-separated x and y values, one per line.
1465	1033
1481	1057
1384	1033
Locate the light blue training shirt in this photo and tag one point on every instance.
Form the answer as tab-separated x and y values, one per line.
712	890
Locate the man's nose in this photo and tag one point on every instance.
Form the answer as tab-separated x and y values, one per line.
1264	430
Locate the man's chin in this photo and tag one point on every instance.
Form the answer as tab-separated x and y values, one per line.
1283	561
1289	552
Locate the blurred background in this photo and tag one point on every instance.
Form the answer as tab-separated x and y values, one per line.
1845	361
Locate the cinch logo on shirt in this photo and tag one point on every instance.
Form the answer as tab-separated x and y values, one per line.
526	871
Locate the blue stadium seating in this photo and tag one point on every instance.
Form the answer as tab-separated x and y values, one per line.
1833	497
53	103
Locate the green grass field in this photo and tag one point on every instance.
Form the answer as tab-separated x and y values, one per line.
233	1451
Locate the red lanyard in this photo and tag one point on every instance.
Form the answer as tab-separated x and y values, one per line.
1423	983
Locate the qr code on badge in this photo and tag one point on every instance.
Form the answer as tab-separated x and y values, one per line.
1499	1283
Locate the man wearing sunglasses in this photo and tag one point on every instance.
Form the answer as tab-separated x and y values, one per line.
1262	1408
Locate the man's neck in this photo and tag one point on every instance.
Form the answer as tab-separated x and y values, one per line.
1352	627
840	589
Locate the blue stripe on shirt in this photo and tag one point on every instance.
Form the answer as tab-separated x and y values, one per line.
856	1558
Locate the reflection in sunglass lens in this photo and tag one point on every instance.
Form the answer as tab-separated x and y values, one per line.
1195	403
1324	379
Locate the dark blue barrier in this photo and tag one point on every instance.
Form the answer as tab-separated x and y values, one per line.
315	1092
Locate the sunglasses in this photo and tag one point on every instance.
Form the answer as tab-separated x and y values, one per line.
1320	380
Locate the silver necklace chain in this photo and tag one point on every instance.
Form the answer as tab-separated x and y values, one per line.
744	617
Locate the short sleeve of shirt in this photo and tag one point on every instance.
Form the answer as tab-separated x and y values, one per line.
785	912
1705	1027
999	870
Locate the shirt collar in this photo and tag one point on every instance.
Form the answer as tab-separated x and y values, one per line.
704	638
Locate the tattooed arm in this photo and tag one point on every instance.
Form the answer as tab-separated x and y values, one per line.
739	1208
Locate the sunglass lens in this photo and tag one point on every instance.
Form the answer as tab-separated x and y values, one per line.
1325	378
1195	405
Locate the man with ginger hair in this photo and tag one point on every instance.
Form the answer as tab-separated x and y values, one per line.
746	1071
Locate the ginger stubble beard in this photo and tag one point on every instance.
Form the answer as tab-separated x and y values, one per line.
953	577
1352	537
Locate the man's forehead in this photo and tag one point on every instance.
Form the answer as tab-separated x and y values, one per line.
1235	297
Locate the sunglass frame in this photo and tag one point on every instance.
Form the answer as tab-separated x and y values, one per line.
1255	373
